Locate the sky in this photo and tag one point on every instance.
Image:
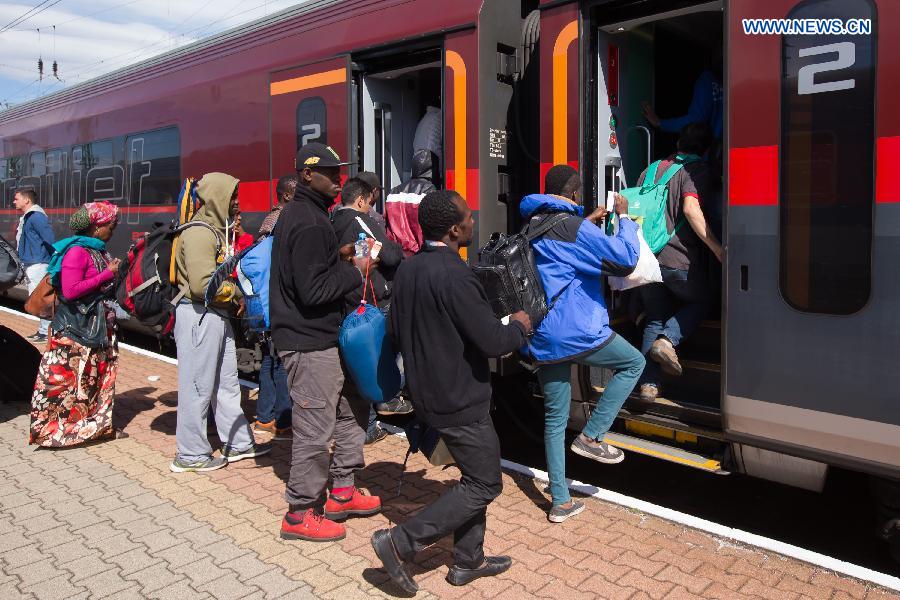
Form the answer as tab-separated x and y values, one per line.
93	37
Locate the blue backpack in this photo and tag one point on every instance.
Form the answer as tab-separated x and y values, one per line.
369	354
253	266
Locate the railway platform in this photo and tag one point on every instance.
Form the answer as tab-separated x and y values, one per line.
109	520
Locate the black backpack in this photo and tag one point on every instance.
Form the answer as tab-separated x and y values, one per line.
12	270
509	275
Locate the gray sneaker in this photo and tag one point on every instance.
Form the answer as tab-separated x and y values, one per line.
603	452
206	464
231	455
559	513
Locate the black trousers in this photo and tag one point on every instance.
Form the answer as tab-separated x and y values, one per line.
462	510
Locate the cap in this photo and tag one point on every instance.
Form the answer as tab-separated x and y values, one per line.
317	154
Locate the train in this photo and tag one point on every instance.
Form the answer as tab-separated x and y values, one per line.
790	376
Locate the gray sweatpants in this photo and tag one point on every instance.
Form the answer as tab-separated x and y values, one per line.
207	373
326	407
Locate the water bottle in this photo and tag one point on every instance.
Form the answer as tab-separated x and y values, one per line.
361	247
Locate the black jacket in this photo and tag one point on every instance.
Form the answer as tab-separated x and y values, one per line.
441	322
347	226
308	281
424	167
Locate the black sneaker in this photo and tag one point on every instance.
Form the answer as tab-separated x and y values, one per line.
493	565
603	453
376	436
397	406
560	513
232	455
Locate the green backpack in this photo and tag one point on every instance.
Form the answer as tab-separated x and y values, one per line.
647	203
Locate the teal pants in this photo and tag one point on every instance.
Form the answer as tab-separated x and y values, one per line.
626	362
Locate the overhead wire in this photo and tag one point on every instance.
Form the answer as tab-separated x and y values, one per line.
43	6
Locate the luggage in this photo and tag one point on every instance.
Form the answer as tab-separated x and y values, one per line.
147	288
646	271
508	273
369	354
647	203
20	361
253	265
12	270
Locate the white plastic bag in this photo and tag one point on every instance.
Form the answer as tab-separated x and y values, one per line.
646	271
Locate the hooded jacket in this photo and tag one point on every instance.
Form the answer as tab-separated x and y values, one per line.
348	224
571	258
401	206
34	237
308	280
196	258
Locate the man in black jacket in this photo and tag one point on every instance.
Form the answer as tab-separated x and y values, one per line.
442	322
352	218
311	274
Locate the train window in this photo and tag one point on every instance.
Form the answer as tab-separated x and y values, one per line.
827	162
38	165
15	167
94	164
154	166
55	184
311	121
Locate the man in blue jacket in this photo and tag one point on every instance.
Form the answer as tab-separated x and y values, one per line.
34	238
571	258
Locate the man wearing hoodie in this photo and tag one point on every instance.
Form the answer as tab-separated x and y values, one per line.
311	275
207	360
571	258
34	238
401	207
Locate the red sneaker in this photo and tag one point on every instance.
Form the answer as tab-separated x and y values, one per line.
311	527
358	504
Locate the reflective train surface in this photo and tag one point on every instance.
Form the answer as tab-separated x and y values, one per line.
791	374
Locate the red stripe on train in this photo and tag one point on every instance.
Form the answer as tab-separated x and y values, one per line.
887	175
753	176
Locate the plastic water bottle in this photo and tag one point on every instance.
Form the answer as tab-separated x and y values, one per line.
361	247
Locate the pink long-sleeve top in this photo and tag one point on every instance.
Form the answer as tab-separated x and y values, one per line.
79	276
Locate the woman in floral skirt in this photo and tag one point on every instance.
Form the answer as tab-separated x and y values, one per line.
73	395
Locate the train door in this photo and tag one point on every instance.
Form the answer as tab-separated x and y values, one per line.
812	291
400	111
309	103
654	59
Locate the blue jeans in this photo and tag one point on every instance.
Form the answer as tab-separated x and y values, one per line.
627	364
674	310
274	395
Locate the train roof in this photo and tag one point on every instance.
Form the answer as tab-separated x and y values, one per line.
161	63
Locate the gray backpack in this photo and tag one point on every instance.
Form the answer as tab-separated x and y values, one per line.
12	271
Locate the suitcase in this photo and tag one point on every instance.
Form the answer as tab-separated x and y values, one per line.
20	361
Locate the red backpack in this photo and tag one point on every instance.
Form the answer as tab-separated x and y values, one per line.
146	289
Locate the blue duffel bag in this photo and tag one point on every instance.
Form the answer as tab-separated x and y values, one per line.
369	354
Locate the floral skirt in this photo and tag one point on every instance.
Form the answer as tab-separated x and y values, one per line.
73	395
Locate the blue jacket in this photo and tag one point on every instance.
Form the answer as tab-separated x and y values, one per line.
570	259
706	107
36	241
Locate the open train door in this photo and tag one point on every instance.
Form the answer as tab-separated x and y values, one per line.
309	103
812	291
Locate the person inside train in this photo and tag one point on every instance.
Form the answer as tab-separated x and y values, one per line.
377	193
707	102
350	220
675	307
571	258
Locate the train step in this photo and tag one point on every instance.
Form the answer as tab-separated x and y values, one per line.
664	452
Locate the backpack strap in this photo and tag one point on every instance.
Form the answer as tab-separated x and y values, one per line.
546	224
